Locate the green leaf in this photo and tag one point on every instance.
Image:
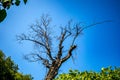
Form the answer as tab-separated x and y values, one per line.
25	1
3	14
9	70
108	73
17	2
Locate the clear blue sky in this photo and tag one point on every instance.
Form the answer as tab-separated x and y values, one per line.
98	47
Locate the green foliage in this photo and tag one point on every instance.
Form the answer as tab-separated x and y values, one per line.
104	74
17	2
6	4
3	14
25	1
9	70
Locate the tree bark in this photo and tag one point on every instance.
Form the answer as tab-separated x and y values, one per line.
53	70
56	64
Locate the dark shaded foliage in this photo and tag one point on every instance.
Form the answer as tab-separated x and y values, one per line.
6	4
9	70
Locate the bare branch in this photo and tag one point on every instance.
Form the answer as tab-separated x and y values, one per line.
95	24
36	57
69	53
65	33
45	20
78	31
60	44
41	35
45	61
23	37
46	46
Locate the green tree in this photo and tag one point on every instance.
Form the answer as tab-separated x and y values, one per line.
9	70
6	4
108	73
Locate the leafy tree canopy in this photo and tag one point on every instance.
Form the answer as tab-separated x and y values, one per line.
6	4
9	70
108	73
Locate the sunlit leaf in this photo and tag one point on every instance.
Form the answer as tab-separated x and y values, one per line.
108	73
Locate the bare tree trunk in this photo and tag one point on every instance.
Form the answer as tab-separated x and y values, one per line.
53	70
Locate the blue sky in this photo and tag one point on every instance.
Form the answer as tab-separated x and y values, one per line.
99	46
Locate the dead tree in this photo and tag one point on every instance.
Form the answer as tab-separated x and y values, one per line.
43	38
